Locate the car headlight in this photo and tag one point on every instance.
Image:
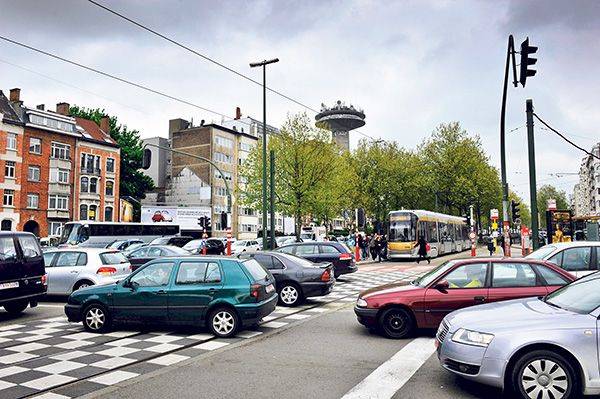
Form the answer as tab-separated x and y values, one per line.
469	337
361	303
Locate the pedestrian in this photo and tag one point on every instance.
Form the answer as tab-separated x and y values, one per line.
490	246
378	248
360	243
422	252
373	246
384	248
364	248
500	242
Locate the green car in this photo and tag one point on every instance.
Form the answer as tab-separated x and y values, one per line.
219	293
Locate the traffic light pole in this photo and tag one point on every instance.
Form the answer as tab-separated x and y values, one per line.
532	178
272	205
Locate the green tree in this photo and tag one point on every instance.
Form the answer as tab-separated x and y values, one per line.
546	192
308	170
132	182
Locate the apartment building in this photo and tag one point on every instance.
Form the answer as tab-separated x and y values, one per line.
586	193
65	168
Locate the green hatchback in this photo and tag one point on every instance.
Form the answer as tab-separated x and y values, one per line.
219	293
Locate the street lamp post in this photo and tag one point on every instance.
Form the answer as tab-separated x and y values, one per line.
264	64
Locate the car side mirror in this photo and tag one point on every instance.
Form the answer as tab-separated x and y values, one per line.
442	285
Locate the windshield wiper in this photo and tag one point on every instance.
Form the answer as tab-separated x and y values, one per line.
553	304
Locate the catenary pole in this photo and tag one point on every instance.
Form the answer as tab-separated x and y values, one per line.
532	178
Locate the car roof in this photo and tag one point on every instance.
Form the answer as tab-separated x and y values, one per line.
15	233
479	259
198	257
572	244
82	249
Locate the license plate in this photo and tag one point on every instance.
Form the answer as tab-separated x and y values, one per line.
270	288
5	286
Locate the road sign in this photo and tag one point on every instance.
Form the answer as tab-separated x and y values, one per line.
494	226
472	235
494	213
551	204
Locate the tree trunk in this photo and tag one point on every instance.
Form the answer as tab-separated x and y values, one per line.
297	225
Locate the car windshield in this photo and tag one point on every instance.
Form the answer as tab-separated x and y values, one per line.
194	244
582	296
177	251
542	253
239	243
299	261
113	258
433	274
255	269
115	244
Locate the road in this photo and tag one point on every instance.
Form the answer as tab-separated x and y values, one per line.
316	350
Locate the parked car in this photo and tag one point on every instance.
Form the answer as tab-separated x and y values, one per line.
284	240
222	294
122	245
240	246
338	254
580	258
396	310
70	269
133	247
214	246
49	242
22	274
178	241
150	252
544	347
296	278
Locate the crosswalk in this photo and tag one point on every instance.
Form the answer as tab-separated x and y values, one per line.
52	358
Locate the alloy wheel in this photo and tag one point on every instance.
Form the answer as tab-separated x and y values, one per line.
545	377
289	295
223	322
95	318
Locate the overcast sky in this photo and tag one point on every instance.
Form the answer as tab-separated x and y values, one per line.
410	65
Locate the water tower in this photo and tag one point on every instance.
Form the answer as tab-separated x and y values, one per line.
340	119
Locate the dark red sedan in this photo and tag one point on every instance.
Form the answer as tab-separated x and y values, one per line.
396	310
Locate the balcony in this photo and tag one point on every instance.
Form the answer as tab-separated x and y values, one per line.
60	163
59	188
89	196
90	171
58	214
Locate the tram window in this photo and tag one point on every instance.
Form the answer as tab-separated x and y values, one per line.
433	232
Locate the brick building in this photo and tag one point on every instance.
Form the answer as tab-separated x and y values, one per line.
66	169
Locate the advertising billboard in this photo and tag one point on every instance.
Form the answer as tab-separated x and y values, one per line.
126	211
186	218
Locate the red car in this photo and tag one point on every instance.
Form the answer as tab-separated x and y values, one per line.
396	310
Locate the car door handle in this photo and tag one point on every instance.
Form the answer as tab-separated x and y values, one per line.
479	299
161	292
211	290
74	271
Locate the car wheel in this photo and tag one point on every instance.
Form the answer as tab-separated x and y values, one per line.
396	323
545	374
96	318
82	284
16	307
223	322
290	295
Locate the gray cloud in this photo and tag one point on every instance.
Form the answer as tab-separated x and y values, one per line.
577	15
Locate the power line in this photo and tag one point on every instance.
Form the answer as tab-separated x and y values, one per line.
563	137
207	58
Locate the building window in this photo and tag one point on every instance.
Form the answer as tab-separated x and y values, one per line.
59	176
92	212
110	165
11	141
9	197
221	192
61	151
85	185
83	212
93	185
220	157
58	202
90	163
227	175
56	228
110	185
33	201
35	145
6	226
246	147
223	142
33	173
108	214
9	169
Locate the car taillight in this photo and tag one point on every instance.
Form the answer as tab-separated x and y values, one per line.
45	279
325	276
255	290
106	270
346	256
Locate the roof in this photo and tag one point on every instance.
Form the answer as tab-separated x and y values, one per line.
562	245
89	250
10	115
94	132
432	215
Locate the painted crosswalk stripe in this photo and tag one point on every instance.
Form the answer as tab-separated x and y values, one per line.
388	378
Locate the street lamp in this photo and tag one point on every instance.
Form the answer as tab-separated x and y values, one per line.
264	148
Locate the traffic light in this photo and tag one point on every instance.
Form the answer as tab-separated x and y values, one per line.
516	215
146	158
526	52
360	218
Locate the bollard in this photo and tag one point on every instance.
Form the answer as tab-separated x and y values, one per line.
473	250
228	242
356	248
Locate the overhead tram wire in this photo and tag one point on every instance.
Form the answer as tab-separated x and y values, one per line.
122	80
209	59
563	137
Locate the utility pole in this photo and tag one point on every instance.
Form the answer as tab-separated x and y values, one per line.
532	179
272	178
264	144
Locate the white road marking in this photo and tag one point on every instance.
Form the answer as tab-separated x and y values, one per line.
388	378
50	305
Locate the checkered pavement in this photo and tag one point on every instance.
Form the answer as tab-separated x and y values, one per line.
56	359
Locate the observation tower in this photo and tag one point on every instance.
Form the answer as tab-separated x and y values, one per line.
340	119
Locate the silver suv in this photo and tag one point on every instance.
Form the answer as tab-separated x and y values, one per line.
70	269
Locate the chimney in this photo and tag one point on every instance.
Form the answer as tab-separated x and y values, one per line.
176	125
105	124
238	113
62	108
41	107
15	95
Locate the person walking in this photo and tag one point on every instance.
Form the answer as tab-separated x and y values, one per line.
384	248
500	241
490	246
373	246
422	252
378	248
364	249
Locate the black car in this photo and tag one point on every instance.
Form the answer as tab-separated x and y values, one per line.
22	273
296	278
178	241
145	254
214	246
327	251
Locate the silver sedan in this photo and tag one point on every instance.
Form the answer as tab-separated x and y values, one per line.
537	348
